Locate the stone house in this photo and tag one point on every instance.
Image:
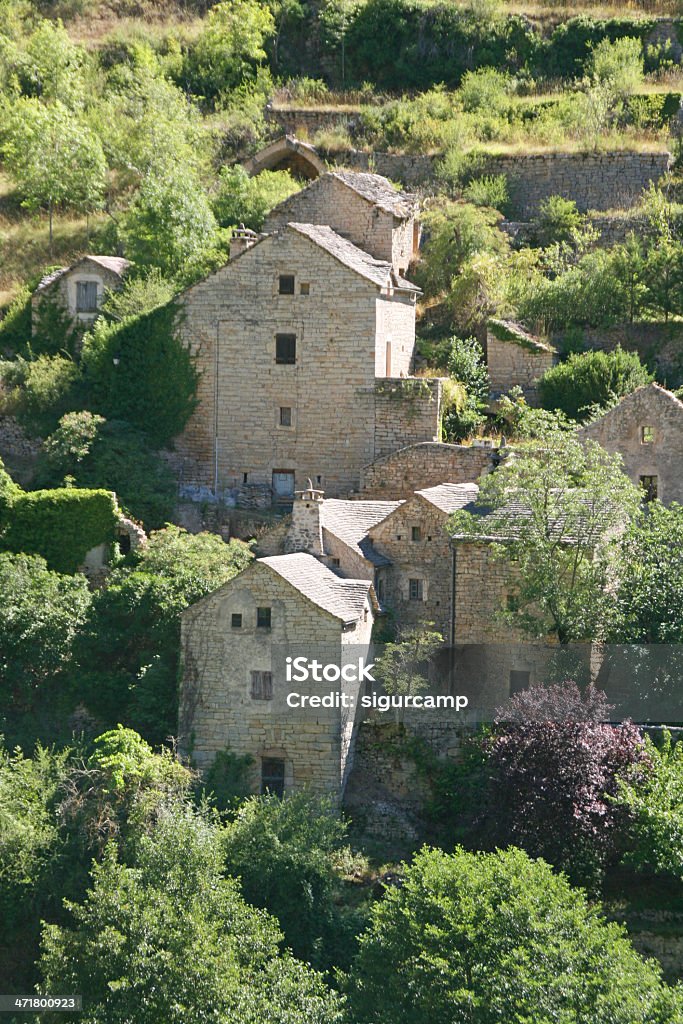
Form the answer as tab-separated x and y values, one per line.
365	208
515	358
304	344
79	290
426	464
646	429
234	690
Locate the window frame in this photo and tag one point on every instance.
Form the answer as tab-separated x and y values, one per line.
278	776
283	355
282	278
261	614
645	430
260	684
415	589
87	286
288	420
236	620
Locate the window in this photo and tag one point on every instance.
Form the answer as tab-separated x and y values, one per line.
511	602
319	480
245	478
273	776
263	618
285	349
305	288
415	590
398	536
647	435
286	284
415	533
236	620
335	562
649	485
86	296
519	681
261	685
285	416
380	589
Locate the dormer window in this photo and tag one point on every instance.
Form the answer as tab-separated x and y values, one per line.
86	296
647	435
286	284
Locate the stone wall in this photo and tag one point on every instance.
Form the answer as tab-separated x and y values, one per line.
64	289
621	430
418	466
406	411
516	363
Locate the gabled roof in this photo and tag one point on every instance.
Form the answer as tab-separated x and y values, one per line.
654	392
351	520
379	191
450	498
342	598
115	264
379	272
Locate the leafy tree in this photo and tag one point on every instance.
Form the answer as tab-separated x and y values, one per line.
402	667
575	500
244	200
554	764
169	224
196	563
229	49
49	66
650	581
663	278
455	234
589	379
492	938
40	616
467	367
54	157
652	796
140	294
15	326
171	939
618	65
557	220
629	266
284	853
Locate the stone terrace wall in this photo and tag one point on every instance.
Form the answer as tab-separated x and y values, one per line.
512	364
407	410
423	465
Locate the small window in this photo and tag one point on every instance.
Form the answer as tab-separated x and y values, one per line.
398	536
236	620
263	618
285	416
649	485
415	533
86	296
261	685
285	349
286	284
647	435
319	480
380	589
415	590
273	776
429	537
245	478
335	562
519	681
305	288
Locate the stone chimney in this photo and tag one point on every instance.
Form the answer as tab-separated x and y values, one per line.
242	239
306	532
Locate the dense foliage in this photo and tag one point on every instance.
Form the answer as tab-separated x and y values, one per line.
590	379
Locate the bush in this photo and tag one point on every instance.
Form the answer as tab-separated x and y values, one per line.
454	233
492	938
554	765
226	779
557	220
244	200
589	379
491	190
15	326
618	65
484	90
40	391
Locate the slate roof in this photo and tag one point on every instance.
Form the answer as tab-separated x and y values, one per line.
116	264
379	272
351	520
513	513
379	191
340	597
450	498
647	391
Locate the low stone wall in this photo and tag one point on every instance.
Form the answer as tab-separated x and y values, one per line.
417	466
407	410
516	364
306	122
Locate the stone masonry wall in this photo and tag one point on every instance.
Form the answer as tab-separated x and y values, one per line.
512	364
418	466
406	411
63	292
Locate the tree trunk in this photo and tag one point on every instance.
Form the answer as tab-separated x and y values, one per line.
50	218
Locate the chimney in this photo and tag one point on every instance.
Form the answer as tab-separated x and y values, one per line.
306	531
242	239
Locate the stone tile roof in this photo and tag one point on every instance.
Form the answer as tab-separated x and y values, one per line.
651	393
340	597
351	520
450	498
116	264
379	191
379	272
513	514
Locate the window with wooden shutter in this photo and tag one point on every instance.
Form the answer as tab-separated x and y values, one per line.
86	296
261	685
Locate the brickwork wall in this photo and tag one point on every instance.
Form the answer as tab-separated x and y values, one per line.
427	464
427	559
405	413
230	322
516	365
216	708
328	201
620	430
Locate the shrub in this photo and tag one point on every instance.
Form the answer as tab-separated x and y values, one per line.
491	190
226	779
497	937
619	65
554	766
139	295
557	220
15	326
455	232
244	200
40	391
484	90
589	379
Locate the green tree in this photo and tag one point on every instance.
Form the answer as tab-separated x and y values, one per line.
575	500
618	66
170	939
590	379
455	234
663	278
402	668
40	615
629	265
39	391
558	219
284	853
494	938
54	157
466	366
244	200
